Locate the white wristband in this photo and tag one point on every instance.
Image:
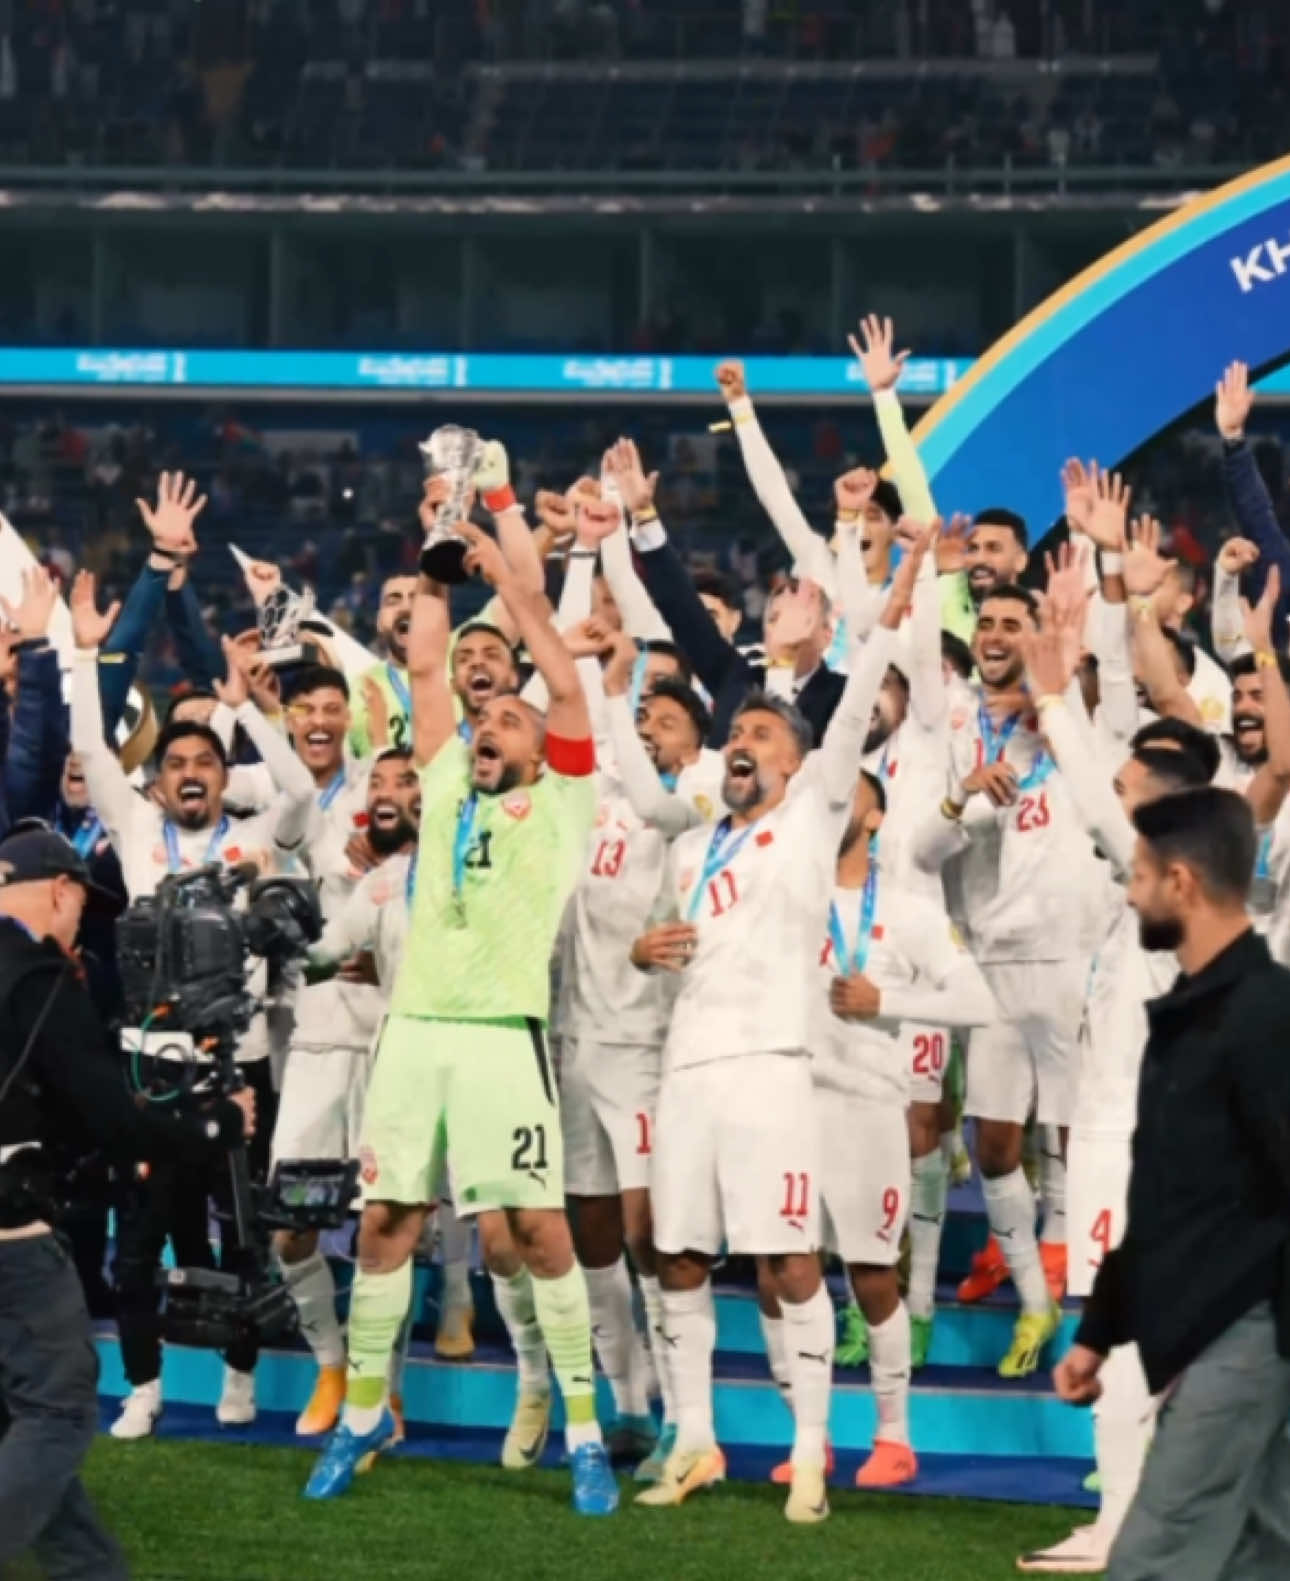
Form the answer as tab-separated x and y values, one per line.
1112	563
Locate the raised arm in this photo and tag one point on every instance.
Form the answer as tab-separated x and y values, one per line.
1226	624
109	789
927	696
650	798
838	759
37	745
493	478
567	717
811	555
434	719
1153	658
1252	504
1267	790
882	366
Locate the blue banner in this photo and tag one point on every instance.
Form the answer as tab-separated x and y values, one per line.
1120	352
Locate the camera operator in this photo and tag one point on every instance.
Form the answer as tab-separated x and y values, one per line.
61	1087
182	826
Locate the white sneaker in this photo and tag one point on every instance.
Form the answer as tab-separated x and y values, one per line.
1085	1552
140	1412
236	1406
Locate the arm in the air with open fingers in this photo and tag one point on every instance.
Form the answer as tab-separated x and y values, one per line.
811	555
641	617
1270	784
1103	515
1070	738
882	366
434	719
568	718
1153	657
1252	505
110	791
839	754
1226	623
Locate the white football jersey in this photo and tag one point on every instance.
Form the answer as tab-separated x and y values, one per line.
1017	876
375	917
1210	688
335	1014
910	765
912	943
758	896
603	998
1113	1035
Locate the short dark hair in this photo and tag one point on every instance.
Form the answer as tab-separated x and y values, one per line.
1210	830
487	629
758	702
1184	647
190	694
716	584
182	728
1018	595
1182	737
886	496
315	678
1248	665
669	650
389	754
1175	767
685	697
1000	516
956	653
876	786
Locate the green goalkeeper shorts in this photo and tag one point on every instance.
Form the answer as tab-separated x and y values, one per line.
482	1095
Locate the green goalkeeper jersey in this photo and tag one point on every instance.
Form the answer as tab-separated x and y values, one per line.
393	684
492	875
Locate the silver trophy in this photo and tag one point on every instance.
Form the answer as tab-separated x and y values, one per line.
451	452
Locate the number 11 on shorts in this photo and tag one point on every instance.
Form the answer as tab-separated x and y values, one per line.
797	1194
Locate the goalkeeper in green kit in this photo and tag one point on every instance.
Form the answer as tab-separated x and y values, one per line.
463	1065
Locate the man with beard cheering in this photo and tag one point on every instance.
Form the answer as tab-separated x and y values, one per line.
384	687
463	1057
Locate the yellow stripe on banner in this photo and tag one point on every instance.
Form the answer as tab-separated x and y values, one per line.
1104	266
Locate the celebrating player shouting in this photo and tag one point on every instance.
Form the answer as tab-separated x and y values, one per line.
463	1058
736	1157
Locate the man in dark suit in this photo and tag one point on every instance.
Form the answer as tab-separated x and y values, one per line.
798	626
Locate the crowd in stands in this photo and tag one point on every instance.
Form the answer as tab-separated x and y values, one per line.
348	84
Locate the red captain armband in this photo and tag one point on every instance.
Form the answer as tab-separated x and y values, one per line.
499	500
574	759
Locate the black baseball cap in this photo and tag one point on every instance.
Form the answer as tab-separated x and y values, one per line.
32	851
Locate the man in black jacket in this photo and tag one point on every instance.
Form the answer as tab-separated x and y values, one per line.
60	1084
1201	1281
798	624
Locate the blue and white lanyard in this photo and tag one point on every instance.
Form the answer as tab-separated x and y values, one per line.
174	860
994	746
331	791
722	850
410	883
400	689
1263	863
86	836
462	841
856	959
465	731
638	681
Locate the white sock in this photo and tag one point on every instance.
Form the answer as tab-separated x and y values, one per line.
514	1297
618	1345
1123	1420
314	1292
1010	1208
928	1193
1052	1186
652	1299
950	1143
361	1419
889	1367
690	1327
772	1333
808	1341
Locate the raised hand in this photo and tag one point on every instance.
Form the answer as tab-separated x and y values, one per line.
902	583
1257	618
1145	568
90	629
1233	400
30	616
951	545
483	554
171	520
881	366
1048	651
493	468
730	378
588	639
1077	491
435	491
377	709
1067	590
854	489
621	664
597	520
556	513
1237	555
234	689
635	488
1107	519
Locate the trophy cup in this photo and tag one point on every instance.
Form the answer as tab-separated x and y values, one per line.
451	452
285	618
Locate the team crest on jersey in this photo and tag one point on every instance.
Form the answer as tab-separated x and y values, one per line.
703	806
368	1168
1211	710
518	806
